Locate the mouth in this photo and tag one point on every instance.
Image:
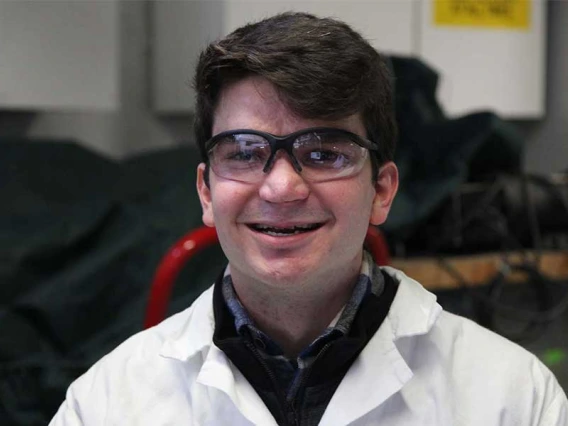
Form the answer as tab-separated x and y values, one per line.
285	231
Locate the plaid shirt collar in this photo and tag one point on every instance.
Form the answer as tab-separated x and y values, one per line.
339	326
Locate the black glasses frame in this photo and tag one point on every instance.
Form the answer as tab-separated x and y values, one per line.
286	142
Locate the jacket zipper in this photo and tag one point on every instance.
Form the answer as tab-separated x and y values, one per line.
291	402
284	401
308	373
282	398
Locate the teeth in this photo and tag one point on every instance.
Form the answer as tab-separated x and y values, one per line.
308	226
275	231
261	227
279	234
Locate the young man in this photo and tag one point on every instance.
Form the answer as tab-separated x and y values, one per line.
295	124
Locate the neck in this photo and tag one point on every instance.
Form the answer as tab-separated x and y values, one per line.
295	318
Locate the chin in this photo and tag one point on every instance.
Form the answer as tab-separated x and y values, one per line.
286	271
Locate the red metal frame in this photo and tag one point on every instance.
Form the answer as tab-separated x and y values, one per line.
195	241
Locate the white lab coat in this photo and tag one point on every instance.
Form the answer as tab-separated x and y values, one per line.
423	366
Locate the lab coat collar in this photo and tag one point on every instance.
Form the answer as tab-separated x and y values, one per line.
194	333
380	370
216	370
414	310
379	367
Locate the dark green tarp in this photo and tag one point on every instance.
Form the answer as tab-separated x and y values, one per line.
80	239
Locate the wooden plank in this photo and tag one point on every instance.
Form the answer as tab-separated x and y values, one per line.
435	273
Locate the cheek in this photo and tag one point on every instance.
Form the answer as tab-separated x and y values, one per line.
356	200
358	209
351	206
229	200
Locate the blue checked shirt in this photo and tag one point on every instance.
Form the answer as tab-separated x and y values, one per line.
290	371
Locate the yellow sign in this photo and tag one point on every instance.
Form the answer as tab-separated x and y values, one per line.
513	14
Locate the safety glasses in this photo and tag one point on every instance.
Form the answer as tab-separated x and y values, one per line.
319	153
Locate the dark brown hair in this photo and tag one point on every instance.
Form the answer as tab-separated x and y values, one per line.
321	68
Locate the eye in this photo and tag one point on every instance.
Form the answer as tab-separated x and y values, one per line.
242	149
329	151
325	158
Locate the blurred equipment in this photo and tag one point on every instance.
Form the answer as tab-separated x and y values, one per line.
523	221
512	212
436	154
466	215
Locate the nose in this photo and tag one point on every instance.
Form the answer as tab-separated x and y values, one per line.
283	184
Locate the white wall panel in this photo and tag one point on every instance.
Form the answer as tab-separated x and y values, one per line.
59	54
498	69
183	28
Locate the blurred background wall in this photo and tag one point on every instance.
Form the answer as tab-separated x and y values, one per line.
547	139
130	122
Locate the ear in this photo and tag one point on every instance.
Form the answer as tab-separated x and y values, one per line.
204	196
385	190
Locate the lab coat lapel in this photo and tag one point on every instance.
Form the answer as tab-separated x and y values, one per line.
218	372
378	373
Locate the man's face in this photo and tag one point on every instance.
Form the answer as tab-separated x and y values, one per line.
247	215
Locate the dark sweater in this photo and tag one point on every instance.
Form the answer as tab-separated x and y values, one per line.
304	403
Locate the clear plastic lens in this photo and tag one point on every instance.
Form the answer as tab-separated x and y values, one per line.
240	153
322	156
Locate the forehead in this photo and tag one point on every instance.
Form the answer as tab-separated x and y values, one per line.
254	103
